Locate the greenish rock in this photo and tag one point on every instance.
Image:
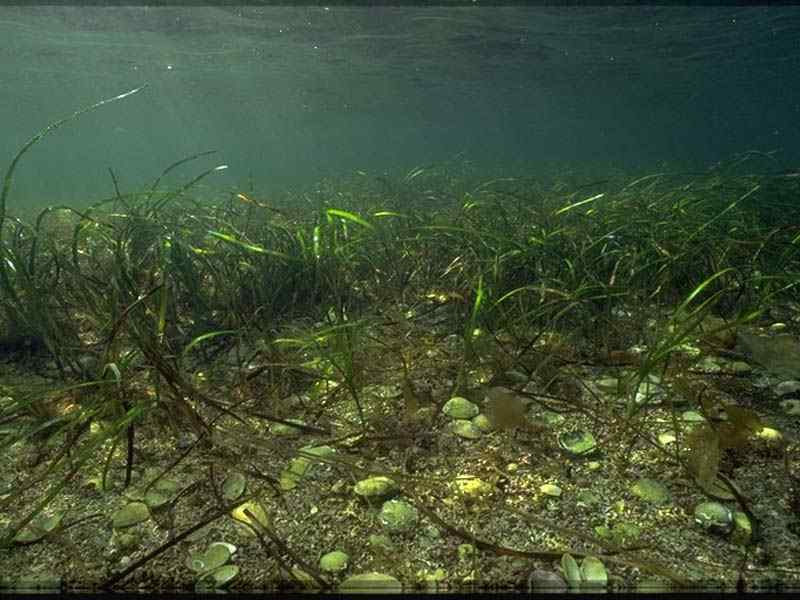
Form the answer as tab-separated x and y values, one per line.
130	514
334	562
460	408
466	552
714	517
376	488
651	491
577	443
465	429
742	529
548	489
551	418
772	437
371	583
482	423
398	516
546	581
593	572
233	486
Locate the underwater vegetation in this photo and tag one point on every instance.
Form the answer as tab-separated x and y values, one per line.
527	384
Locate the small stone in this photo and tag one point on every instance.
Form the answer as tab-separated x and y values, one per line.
772	438
482	423
376	488
334	562
546	581
548	489
465	429
777	327
577	443
714	517
460	408
398	516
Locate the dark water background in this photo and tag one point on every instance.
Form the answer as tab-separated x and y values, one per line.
288	95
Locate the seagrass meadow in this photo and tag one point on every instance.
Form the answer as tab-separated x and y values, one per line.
428	381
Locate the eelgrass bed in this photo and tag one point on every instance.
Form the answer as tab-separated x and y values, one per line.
422	382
